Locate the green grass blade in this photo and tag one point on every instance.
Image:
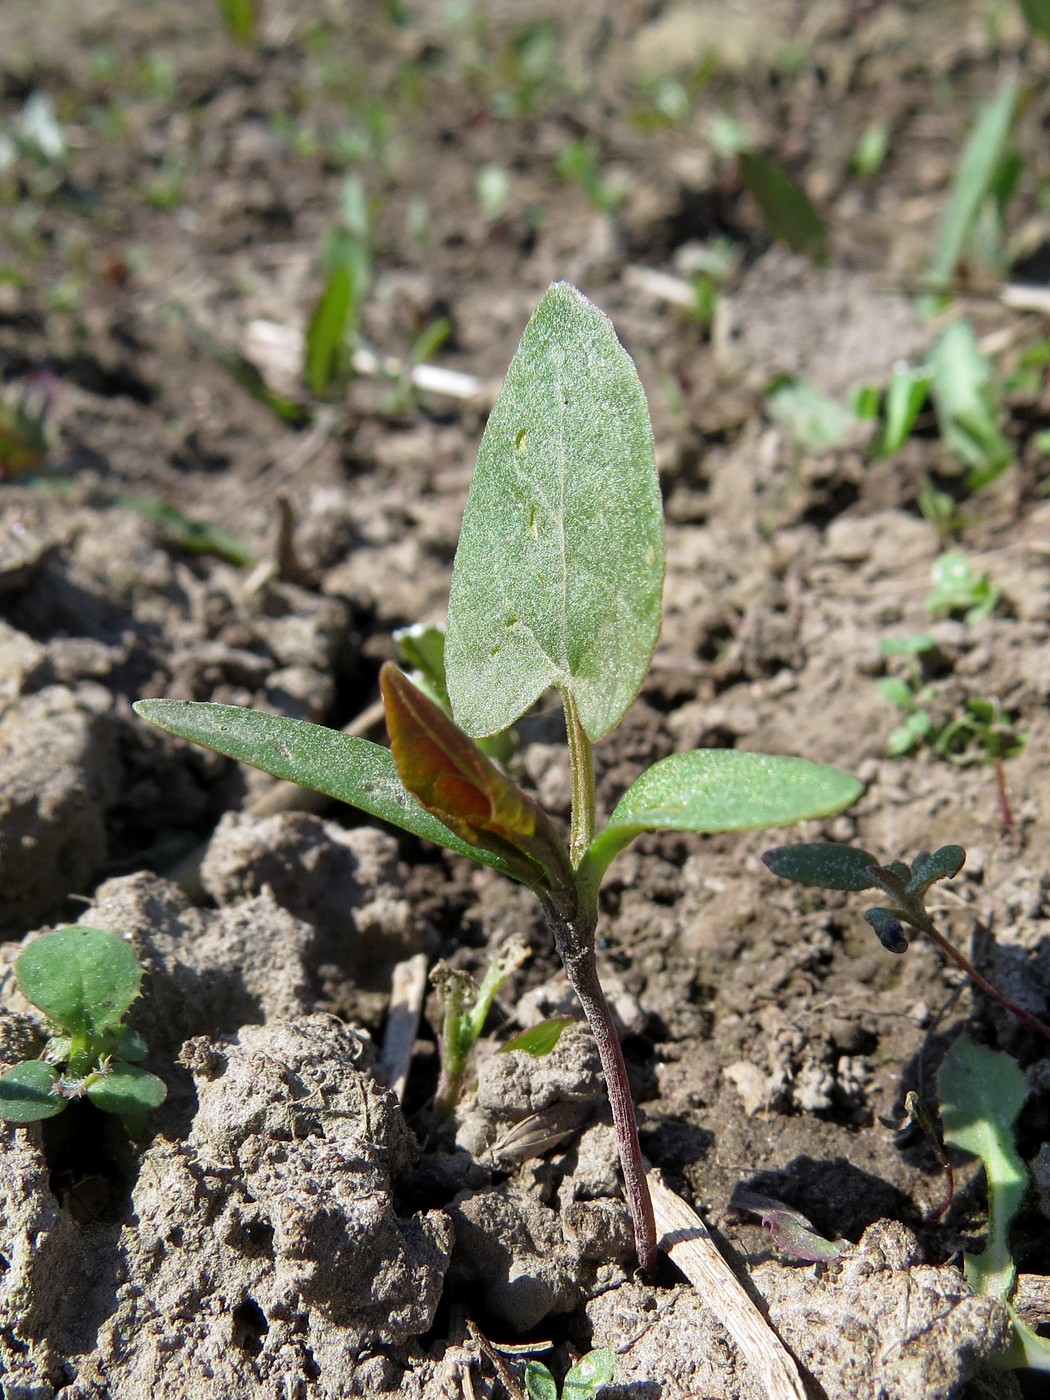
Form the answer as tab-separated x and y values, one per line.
325	335
973	181
785	207
349	769
559	573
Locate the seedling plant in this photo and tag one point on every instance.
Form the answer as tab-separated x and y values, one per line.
83	980
558	581
830	866
982	1093
582	1381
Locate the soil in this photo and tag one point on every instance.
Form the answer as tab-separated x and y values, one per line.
288	1227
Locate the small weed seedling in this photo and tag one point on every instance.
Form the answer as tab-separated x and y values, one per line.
982	1092
83	980
581	1382
466	1008
957	589
830	866
558	581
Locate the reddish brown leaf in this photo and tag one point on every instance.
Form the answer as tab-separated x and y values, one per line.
449	775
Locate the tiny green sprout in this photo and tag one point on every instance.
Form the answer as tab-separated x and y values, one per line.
577	163
982	1093
83	980
828	865
240	20
957	589
918	1115
346	264
582	1381
557	582
871	150
466	1008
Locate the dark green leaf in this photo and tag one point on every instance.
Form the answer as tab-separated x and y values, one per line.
888	929
25	1093
943	864
785	207
559	572
348	769
127	1090
83	979
1037	13
538	1040
826	864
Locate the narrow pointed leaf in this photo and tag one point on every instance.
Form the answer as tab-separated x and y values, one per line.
83	979
559	572
786	208
451	777
25	1093
973	179
350	770
826	864
944	864
714	790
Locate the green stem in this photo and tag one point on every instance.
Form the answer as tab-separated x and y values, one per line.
574	939
581	757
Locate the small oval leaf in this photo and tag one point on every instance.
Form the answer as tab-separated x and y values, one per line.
82	979
589	1374
127	1090
825	864
350	770
25	1093
539	1383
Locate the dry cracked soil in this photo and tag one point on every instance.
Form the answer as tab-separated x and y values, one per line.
290	1227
